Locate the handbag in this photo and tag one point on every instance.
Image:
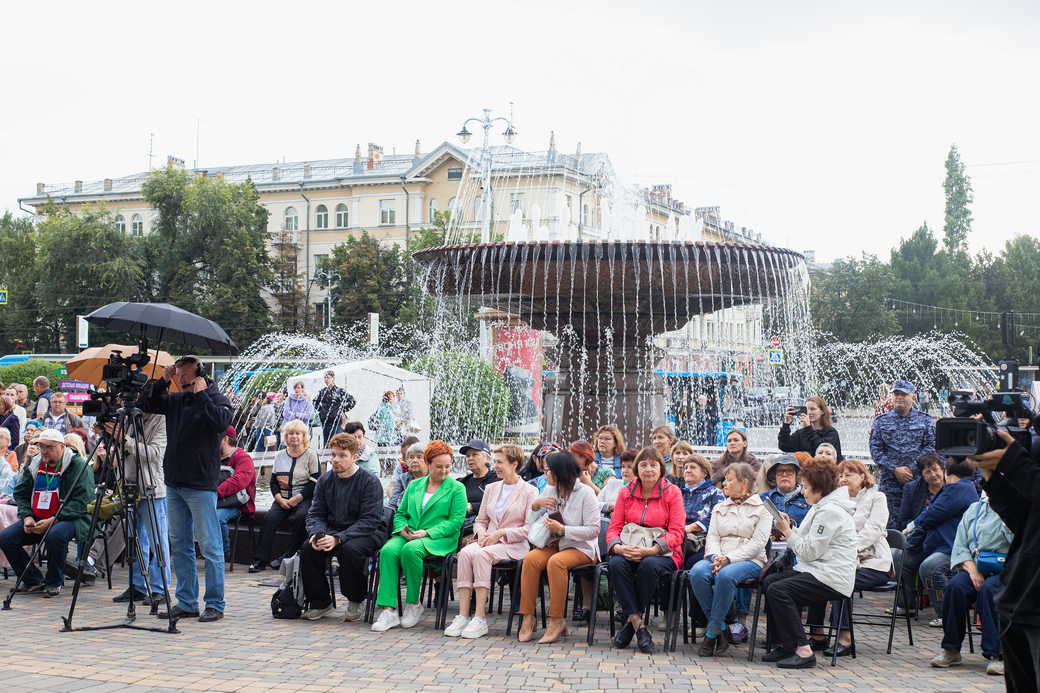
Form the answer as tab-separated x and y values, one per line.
986	562
539	535
634	534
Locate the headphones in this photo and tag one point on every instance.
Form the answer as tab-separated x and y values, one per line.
203	371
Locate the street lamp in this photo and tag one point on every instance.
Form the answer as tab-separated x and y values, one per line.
325	278
509	135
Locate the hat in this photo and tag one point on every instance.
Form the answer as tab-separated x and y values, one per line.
231	433
777	460
903	386
32	423
51	435
476	445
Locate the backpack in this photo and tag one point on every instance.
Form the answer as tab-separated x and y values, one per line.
288	601
235	499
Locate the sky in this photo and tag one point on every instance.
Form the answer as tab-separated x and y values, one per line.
822	125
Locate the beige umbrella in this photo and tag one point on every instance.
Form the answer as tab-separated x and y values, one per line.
88	365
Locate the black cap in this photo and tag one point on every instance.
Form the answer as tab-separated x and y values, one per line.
478	446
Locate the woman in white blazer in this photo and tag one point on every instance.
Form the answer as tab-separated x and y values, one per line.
500	532
873	555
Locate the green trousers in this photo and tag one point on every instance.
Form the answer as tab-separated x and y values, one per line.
397	556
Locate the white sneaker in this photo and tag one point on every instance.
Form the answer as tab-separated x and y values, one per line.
995	667
388	619
456	627
477	628
353	612
316	614
936	623
413	613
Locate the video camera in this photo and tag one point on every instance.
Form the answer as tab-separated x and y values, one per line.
125	378
962	435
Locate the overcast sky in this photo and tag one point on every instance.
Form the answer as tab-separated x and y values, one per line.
823	125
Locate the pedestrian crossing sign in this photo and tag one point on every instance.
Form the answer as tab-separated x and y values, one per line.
775	357
3	297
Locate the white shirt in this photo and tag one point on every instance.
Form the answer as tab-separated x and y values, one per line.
503	499
426	497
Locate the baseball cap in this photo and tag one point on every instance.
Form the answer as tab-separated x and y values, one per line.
476	445
50	435
231	433
903	386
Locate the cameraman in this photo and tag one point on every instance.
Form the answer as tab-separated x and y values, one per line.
1011	478
196	419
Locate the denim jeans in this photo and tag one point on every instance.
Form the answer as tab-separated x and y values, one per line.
715	592
14	537
192	512
224	516
960	594
144	523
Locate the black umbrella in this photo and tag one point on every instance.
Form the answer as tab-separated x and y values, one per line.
161	321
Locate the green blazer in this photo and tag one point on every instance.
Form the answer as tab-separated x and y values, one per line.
441	518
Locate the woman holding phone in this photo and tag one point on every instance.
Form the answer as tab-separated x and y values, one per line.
815	421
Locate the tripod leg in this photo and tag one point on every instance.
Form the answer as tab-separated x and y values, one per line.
99	494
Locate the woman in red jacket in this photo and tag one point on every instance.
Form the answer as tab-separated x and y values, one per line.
645	541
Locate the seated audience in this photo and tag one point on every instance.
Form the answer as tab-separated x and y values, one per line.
236	492
827	451
368	457
568	509
534	471
736	451
608	496
416	470
293	476
919	492
609	446
734	551
427	523
782	488
478	459
401	470
873	555
645	543
592	475
700	497
979	530
663	438
680	452
501	535
345	520
51	490
824	546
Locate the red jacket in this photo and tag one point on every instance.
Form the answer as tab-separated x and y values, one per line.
664	508
243	477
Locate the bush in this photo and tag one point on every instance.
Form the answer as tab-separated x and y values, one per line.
470	399
25	372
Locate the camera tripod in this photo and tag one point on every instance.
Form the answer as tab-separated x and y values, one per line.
127	419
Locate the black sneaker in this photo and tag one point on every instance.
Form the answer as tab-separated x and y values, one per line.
644	640
257	566
128	594
52	590
211	614
581	615
177	612
624	636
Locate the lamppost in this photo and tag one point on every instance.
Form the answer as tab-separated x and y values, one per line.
509	134
325	278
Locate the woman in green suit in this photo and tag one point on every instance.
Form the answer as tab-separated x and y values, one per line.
427	523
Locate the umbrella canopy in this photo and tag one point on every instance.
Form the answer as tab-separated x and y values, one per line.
89	363
162	321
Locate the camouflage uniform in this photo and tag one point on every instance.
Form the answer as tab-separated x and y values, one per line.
897	441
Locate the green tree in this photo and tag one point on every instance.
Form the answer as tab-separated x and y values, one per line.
470	399
209	250
372	280
957	187
849	301
18	318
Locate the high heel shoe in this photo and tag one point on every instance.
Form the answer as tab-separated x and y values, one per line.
557	629
526	631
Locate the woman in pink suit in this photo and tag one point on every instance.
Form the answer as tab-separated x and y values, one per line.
501	534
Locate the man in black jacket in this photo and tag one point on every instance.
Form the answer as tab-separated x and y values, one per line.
196	418
1012	481
331	401
345	520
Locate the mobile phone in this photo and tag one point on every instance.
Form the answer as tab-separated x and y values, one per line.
773	510
800	410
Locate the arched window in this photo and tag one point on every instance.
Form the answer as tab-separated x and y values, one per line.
452	204
321	217
292	222
433	211
341	216
136	225
120	223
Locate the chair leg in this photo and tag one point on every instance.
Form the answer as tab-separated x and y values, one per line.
971	627
590	632
234	546
753	639
844	609
514	599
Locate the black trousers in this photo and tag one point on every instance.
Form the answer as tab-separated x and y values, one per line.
1021	647
294	517
329	428
353	570
636	582
786	593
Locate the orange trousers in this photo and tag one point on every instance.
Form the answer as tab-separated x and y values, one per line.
556	564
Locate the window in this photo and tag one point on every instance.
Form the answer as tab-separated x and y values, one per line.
584	215
516	201
136	225
433	211
477	203
321	217
453	204
292	222
455	173
341	216
387	213
320	261
120	223
569	201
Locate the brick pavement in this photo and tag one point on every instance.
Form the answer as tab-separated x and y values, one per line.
249	651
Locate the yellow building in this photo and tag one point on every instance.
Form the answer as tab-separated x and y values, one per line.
315	205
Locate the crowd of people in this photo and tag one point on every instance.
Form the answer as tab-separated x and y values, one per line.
643	512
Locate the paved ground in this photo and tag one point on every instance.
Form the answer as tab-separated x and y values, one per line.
249	651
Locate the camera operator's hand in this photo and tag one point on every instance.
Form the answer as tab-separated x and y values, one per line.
199	384
988	461
903	474
169	372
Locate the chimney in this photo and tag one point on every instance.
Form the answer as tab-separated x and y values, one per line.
417	155
551	155
358	166
276	173
108	185
577	156
375	154
41	188
307	170
77	186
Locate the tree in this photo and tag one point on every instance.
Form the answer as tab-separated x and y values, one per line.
957	187
470	398
210	250
18	317
372	280
849	301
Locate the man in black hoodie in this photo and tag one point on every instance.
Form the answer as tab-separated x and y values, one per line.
1012	481
196	418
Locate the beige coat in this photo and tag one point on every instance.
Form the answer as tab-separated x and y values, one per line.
739	531
871	518
514	516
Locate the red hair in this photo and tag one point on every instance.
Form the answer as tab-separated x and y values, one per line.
435	448
582	449
802	457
